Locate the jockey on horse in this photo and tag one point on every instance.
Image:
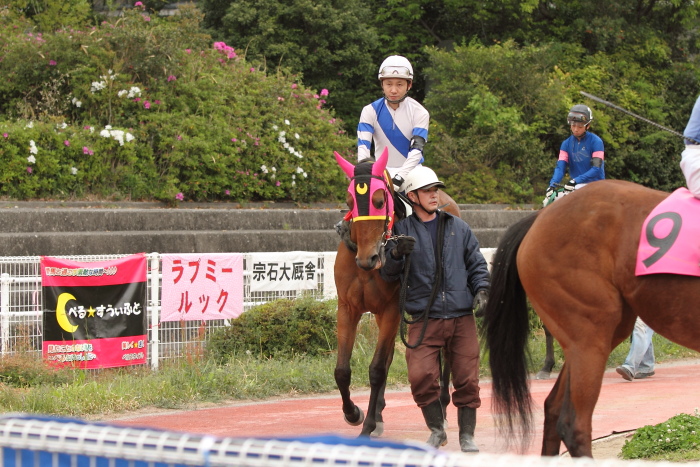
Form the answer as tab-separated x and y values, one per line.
397	123
582	154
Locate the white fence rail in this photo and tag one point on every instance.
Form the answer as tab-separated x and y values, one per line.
21	305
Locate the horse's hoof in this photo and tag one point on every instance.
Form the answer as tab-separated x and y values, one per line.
543	375
378	430
359	417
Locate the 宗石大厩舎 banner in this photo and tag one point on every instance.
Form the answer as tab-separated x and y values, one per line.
94	313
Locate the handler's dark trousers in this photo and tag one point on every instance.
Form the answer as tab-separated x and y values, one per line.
459	339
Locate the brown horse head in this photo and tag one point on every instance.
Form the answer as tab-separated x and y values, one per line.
371	201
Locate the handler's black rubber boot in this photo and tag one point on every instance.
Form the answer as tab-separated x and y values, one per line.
432	413
466	417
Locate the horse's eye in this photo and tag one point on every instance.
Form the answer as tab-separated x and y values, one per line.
378	199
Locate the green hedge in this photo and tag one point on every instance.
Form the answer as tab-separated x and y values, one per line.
281	327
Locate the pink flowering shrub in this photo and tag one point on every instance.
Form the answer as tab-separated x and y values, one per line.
200	125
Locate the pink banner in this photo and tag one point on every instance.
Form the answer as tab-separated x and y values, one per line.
202	286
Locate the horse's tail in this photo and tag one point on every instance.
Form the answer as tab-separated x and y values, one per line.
506	329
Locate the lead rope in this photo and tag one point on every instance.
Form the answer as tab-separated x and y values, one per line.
433	294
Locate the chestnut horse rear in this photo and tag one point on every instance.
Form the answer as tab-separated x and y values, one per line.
575	261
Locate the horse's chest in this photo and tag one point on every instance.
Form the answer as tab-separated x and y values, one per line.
371	292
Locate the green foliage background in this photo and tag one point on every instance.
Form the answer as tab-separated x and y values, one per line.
498	78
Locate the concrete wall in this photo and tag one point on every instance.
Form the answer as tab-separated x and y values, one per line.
31	229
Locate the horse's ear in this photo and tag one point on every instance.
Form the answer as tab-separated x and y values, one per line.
347	167
380	165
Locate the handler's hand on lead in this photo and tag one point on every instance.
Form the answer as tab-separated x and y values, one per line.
482	297
404	246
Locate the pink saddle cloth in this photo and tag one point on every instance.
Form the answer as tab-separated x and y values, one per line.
669	242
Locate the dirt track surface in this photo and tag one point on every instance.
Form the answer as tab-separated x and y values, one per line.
622	406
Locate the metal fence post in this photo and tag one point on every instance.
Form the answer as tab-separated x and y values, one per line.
5	312
154	307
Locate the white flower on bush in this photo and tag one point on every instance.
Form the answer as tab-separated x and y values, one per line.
76	102
118	135
62	126
286	122
97	86
31	159
32	147
134	92
122	93
263	168
74	170
29	125
274	169
296	135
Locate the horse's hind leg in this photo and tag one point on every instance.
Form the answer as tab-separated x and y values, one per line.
445	398
546	370
551	441
347	330
579	388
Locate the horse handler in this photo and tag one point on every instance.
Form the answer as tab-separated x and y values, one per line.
447	279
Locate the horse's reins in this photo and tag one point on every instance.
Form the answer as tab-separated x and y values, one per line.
433	294
386	237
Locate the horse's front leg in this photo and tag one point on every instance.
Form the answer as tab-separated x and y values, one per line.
347	320
388	323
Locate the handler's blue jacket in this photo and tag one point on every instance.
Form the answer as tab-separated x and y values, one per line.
464	273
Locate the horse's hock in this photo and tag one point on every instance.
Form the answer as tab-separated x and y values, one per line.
85	228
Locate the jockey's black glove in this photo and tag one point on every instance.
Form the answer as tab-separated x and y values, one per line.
404	246
570	185
482	297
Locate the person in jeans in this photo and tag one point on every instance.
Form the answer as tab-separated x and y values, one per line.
448	279
640	359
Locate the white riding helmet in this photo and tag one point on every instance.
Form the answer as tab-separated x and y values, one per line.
396	66
421	177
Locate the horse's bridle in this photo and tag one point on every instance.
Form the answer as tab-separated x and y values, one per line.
388	218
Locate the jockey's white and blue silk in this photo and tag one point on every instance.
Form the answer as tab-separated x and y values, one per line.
393	129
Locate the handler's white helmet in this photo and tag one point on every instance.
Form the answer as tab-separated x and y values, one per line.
396	66
421	177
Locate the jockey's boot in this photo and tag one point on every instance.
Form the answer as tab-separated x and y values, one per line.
466	417
436	422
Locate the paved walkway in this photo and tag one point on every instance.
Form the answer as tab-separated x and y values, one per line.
622	406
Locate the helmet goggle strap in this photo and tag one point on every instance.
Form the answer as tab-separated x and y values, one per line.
576	117
395	72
